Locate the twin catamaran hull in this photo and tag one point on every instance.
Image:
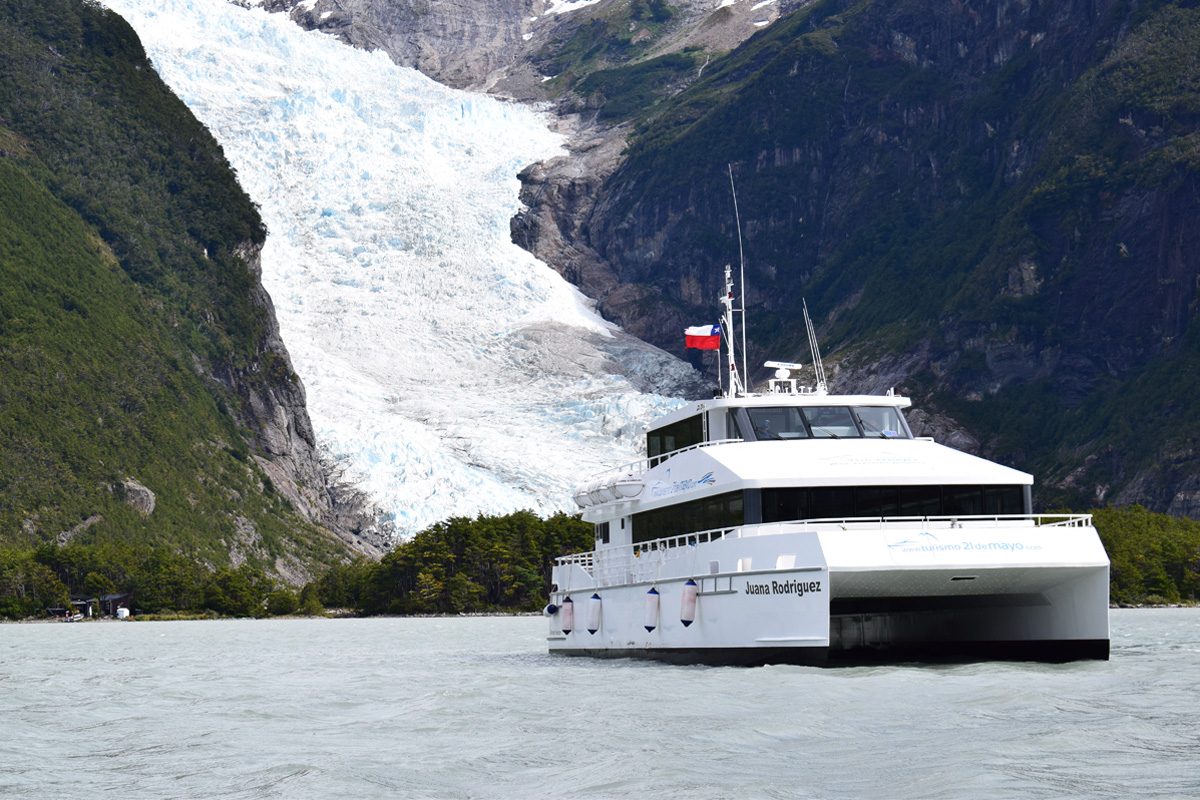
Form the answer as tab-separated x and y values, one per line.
994	590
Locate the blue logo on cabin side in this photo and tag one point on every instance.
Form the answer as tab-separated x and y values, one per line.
924	537
662	489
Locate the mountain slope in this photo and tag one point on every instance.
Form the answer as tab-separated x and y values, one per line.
137	349
989	205
993	206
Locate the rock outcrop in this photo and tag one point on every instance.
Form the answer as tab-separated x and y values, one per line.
273	407
138	497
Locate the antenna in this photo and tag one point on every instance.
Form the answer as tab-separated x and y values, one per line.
818	367
741	266
736	388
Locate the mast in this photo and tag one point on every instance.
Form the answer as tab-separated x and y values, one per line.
736	388
741	267
818	367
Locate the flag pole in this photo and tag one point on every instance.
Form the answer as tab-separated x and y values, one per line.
741	269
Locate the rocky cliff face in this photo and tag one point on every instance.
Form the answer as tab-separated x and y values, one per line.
273	409
990	205
505	46
462	43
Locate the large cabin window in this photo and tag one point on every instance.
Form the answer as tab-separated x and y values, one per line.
708	513
845	502
677	435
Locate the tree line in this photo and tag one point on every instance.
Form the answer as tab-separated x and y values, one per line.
461	565
491	563
465	565
49	576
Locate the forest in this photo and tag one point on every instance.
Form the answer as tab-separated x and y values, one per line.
497	564
462	565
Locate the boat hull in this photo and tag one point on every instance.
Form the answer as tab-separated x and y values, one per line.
845	597
1043	651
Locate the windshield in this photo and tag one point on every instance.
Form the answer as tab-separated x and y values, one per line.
826	422
882	422
831	422
782	422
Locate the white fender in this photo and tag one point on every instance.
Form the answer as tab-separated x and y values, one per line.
687	609
567	609
651	609
593	624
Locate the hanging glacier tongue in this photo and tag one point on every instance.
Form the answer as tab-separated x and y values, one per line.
448	369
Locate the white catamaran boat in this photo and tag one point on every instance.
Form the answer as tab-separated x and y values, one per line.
798	526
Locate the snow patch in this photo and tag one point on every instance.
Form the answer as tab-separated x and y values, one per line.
566	6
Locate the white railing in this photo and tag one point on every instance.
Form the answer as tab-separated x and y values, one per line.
945	520
624	563
643	465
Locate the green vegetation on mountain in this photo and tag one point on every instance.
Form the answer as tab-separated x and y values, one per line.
609	60
460	566
1155	558
33	580
491	563
996	209
130	333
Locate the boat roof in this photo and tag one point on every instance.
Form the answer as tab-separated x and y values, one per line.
780	399
838	462
819	463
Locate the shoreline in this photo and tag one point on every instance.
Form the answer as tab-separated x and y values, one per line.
212	618
345	614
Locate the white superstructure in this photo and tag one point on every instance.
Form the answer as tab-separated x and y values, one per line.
799	526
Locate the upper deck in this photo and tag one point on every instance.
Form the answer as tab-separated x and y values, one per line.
778	416
800	444
798	399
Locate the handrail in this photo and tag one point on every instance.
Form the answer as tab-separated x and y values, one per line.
642	465
679	540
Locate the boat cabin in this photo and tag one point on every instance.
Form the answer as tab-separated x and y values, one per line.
771	417
783	457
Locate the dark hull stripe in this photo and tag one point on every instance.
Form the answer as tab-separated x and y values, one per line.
1054	651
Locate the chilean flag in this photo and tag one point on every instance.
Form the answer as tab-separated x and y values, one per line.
703	337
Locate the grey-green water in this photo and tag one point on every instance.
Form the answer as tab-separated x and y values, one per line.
457	708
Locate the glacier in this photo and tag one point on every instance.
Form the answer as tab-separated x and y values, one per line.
448	371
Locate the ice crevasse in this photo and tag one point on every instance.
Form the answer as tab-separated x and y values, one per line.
450	371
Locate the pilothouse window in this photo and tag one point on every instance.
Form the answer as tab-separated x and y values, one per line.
831	422
827	422
782	422
881	422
